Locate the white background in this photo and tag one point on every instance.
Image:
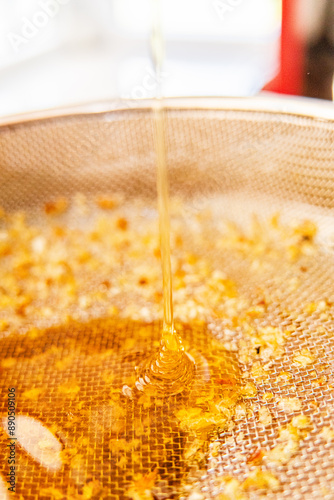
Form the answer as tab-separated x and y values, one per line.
61	52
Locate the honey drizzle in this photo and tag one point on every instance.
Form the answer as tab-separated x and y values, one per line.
157	47
170	370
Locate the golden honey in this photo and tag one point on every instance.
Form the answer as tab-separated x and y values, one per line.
170	369
80	309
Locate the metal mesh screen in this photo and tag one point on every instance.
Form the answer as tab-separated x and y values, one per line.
224	164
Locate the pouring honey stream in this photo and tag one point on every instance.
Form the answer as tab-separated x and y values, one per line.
170	370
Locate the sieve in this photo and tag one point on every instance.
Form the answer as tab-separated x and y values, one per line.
259	155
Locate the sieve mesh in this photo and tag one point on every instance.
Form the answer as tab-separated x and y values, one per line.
236	162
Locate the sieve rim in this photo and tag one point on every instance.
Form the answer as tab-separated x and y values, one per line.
265	103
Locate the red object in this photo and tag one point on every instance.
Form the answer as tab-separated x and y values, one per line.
290	77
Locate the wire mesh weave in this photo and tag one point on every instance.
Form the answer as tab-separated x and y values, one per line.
250	161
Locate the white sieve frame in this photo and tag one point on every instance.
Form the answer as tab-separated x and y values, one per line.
265	102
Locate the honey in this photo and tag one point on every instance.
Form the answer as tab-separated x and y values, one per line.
71	380
91	363
170	370
81	309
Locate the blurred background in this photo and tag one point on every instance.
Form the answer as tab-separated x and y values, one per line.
62	52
